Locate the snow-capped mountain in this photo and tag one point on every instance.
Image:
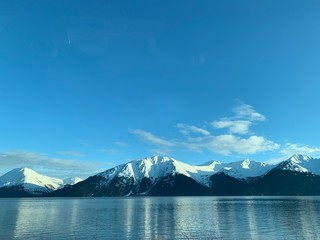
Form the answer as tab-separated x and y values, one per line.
31	182
156	167
165	176
146	176
301	163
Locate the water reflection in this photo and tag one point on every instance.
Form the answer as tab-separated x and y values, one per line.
160	218
252	222
8	218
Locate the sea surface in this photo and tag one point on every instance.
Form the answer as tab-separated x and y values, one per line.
161	218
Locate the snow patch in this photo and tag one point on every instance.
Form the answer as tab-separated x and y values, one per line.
71	180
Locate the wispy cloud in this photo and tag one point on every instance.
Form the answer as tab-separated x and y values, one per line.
121	144
110	151
163	146
83	143
233	142
160	151
230	144
151	138
187	129
56	167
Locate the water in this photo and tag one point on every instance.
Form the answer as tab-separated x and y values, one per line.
161	218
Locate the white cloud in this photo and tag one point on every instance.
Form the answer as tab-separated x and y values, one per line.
55	167
228	144
152	139
292	148
240	123
245	111
187	129
234	126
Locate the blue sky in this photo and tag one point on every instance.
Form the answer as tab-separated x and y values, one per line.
85	86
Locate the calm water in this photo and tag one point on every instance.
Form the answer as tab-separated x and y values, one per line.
160	218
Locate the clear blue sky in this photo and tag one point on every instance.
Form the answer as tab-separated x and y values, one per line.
87	85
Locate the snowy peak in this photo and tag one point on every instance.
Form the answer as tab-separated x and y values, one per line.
30	180
241	169
152	167
159	159
246	169
18	174
138	169
291	165
213	164
298	158
295	163
301	163
245	164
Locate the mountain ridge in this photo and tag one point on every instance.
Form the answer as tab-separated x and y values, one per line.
161	175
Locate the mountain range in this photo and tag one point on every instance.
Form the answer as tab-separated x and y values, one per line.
165	176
